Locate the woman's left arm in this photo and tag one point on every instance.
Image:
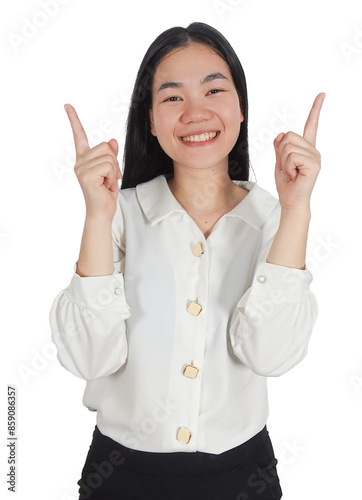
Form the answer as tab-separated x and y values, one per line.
297	166
273	321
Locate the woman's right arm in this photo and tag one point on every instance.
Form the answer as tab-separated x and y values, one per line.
87	318
95	255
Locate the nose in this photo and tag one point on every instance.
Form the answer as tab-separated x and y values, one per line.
195	111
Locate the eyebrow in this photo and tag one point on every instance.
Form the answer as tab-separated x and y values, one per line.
208	78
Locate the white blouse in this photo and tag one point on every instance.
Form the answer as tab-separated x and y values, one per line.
177	344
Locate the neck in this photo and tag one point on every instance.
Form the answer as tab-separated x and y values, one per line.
203	192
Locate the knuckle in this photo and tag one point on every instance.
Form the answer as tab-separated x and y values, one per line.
104	148
108	147
110	158
78	158
109	162
78	169
82	178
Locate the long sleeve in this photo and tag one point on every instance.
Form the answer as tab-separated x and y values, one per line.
87	318
273	321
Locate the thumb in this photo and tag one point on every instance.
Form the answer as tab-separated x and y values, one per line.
114	145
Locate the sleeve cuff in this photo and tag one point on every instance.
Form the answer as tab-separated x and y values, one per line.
280	284
98	292
117	268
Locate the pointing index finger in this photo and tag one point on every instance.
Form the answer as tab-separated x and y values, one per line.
311	125
80	137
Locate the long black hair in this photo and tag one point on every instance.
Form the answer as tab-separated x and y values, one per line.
144	159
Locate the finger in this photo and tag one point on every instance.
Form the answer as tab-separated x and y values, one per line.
276	142
98	151
290	142
100	160
282	175
292	149
111	185
293	138
114	145
311	125
80	137
102	173
279	137
297	164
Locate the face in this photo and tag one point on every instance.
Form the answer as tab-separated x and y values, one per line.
196	113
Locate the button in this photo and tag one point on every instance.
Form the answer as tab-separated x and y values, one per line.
117	291
194	308
183	435
198	249
190	371
261	278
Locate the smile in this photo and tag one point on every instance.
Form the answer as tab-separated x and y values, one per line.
206	136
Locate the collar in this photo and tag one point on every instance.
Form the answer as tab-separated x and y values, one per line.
158	202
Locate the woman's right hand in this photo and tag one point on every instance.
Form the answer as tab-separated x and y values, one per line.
97	171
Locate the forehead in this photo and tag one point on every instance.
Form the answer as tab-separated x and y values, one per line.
190	63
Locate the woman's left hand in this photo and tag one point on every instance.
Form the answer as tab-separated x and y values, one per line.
298	162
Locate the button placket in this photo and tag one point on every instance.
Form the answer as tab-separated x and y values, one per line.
189	370
194	307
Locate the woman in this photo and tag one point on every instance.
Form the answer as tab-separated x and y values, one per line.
191	287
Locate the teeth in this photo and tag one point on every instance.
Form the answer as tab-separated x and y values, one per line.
206	136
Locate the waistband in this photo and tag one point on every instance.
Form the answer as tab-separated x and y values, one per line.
178	463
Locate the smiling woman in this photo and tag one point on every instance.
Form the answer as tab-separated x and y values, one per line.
191	286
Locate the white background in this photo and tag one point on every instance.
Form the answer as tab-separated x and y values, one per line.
87	53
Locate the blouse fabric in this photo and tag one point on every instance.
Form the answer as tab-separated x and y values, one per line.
176	345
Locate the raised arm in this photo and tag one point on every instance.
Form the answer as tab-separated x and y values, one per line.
272	323
97	171
87	318
297	166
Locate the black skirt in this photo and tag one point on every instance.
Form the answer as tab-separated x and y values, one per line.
113	471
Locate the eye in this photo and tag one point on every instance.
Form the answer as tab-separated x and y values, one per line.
216	91
171	99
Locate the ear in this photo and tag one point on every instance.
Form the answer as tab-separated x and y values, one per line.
153	131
